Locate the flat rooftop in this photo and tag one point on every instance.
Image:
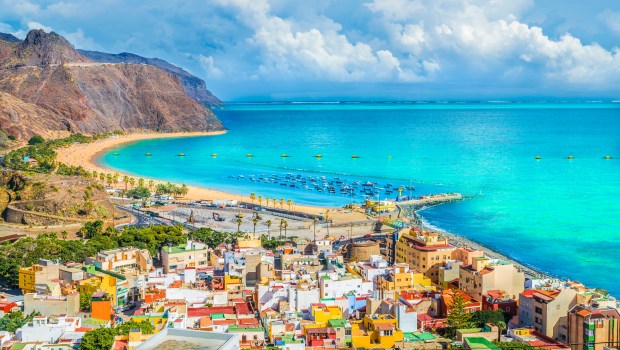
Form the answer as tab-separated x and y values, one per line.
183	339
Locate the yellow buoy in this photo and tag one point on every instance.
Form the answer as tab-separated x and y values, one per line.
537	157
214	155
570	157
116	153
148	154
607	157
284	156
318	156
390	157
181	154
249	155
354	156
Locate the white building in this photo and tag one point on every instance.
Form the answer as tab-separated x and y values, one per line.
46	329
377	266
333	285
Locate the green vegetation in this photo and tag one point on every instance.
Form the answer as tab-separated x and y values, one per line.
100	338
5	141
480	318
85	300
103	338
27	251
214	238
43	152
14	320
271	243
171	189
458	317
36	139
139	192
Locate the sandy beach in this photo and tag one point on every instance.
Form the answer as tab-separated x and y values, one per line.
86	155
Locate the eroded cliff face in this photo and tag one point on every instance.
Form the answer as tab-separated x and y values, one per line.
47	87
194	86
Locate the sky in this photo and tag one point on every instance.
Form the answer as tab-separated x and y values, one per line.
262	50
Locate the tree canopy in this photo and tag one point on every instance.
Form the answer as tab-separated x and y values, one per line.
27	251
103	338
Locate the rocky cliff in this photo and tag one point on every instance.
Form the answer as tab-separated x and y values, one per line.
47	87
194	86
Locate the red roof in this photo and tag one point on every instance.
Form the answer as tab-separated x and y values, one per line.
208	311
7	306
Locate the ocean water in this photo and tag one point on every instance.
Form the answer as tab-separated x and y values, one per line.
558	215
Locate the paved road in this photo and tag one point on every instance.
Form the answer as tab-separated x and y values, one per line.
142	219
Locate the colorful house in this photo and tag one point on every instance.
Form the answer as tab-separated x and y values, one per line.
379	332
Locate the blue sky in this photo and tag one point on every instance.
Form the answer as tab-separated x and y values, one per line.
355	49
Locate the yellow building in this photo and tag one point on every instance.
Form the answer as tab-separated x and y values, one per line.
423	251
99	282
232	283
378	332
248	242
400	277
322	314
42	273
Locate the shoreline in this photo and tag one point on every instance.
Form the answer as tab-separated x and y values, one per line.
462	241
86	155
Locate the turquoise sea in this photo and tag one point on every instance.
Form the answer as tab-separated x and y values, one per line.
558	215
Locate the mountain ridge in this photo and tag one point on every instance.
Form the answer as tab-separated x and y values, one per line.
48	87
194	86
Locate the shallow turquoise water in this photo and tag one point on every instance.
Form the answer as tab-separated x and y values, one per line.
561	216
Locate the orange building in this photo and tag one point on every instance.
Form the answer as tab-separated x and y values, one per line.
101	306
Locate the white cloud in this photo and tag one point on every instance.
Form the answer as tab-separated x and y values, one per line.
208	65
612	20
320	49
23	7
486	35
5	28
30	25
81	41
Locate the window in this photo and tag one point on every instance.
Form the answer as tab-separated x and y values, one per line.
538	310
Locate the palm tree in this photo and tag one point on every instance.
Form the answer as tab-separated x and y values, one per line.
255	221
126	181
115	178
268	223
102	177
289	203
184	190
327	220
141	182
314	221
108	179
260	200
281	203
267	201
151	184
285	225
132	181
501	325
95	174
64	234
239	221
252	197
